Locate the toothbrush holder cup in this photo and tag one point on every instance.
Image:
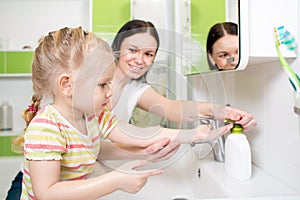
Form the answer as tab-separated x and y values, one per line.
297	102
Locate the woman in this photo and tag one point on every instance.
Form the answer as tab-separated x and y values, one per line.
135	47
222	46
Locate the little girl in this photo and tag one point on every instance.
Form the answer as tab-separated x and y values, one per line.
62	141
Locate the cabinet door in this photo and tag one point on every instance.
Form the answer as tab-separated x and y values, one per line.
109	16
264	16
2	62
18	62
5	146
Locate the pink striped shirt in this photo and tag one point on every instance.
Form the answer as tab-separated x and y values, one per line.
51	137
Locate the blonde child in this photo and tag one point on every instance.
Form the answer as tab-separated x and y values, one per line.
62	140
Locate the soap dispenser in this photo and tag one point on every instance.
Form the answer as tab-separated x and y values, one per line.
238	154
6	118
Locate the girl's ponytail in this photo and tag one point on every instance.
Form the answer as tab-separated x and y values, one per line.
28	114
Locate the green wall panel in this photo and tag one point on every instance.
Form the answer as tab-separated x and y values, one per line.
109	16
2	62
5	146
18	62
204	14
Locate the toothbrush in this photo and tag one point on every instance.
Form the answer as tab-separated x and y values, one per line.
293	77
286	38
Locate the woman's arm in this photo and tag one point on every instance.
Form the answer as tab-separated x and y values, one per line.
181	111
130	135
47	185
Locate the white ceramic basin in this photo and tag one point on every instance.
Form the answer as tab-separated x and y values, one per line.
191	178
177	181
216	183
182	180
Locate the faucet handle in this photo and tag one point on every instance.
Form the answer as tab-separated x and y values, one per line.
202	120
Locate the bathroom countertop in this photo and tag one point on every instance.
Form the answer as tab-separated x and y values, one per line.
261	186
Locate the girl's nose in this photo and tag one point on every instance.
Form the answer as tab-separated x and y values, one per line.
108	93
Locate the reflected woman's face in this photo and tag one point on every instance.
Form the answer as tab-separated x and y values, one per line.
225	52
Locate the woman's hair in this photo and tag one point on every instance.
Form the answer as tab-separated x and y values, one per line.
131	28
216	32
219	30
59	52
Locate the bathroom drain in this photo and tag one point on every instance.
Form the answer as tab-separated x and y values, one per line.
179	197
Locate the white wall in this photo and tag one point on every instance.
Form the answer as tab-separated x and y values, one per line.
265	91
24	22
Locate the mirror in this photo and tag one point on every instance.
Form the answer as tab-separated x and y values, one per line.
200	51
224	39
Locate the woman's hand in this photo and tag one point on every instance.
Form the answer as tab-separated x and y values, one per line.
240	117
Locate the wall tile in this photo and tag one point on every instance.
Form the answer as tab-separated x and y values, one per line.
264	90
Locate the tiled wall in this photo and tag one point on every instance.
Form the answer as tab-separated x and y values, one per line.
265	91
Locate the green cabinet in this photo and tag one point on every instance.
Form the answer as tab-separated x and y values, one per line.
15	62
109	16
18	62
6	147
204	14
2	62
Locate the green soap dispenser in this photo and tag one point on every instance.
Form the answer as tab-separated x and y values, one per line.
238	154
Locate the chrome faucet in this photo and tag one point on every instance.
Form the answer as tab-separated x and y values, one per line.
218	146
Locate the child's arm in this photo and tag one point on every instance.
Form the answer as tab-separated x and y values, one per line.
46	183
128	134
158	151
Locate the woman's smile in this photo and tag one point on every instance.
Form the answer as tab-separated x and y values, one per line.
135	69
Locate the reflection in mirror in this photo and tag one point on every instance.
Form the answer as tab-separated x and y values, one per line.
218	37
222	46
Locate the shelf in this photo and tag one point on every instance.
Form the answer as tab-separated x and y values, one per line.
264	60
11	133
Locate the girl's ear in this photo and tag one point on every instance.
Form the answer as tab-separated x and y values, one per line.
65	84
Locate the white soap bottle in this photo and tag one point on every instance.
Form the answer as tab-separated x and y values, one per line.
6	118
238	154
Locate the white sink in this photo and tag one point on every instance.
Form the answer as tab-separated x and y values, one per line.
216	183
185	177
189	178
177	181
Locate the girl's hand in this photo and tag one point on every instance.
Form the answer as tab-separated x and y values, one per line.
204	133
131	180
161	150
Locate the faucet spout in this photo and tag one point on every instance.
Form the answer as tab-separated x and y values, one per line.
219	149
218	146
